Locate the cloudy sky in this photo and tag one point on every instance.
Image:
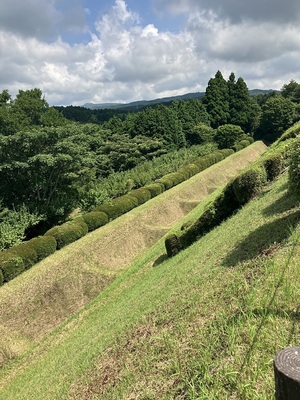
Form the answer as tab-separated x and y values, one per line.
79	51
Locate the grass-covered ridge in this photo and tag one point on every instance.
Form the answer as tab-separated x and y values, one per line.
202	325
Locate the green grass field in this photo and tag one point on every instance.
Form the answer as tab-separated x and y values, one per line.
205	324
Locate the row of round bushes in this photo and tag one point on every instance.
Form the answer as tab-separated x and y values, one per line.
235	194
21	257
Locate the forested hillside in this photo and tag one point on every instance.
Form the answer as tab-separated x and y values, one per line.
51	166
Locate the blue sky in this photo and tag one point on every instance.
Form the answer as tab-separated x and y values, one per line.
79	51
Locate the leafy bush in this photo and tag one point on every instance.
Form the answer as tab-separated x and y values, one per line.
294	169
27	252
248	183
173	245
68	232
142	195
13	224
273	165
189	170
118	206
11	265
237	147
43	245
155	189
166	181
290	133
1	278
244	143
95	219
228	135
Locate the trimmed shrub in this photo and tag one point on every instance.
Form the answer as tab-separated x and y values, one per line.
245	143
294	169
95	219
191	169
228	135
227	152
166	181
155	189
44	246
220	209
27	252
118	206
11	265
203	163
68	232
290	133
273	165
237	147
142	195
173	245
249	183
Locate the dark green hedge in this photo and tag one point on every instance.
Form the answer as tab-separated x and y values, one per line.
118	206
11	265
235	194
95	219
27	252
43	245
23	256
155	189
166	181
249	183
142	195
291	133
274	165
173	245
68	232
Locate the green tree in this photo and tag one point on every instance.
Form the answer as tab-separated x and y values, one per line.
160	123
30	105
44	169
291	91
241	106
200	134
278	114
13	224
228	135
216	99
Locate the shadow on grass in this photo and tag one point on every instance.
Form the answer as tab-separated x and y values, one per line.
257	242
284	203
160	260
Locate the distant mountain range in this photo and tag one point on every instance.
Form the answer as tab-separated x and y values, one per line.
147	103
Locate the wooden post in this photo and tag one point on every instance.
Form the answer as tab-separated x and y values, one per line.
287	374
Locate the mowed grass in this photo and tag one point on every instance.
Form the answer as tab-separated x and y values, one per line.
205	324
40	299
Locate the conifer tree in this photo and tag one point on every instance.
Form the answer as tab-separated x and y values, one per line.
216	100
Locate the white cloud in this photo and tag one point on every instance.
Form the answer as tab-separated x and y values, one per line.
125	60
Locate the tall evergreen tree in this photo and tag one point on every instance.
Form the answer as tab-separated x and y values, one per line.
239	103
216	99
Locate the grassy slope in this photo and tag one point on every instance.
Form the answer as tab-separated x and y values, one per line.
199	326
44	296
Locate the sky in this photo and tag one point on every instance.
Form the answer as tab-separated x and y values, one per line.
102	51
